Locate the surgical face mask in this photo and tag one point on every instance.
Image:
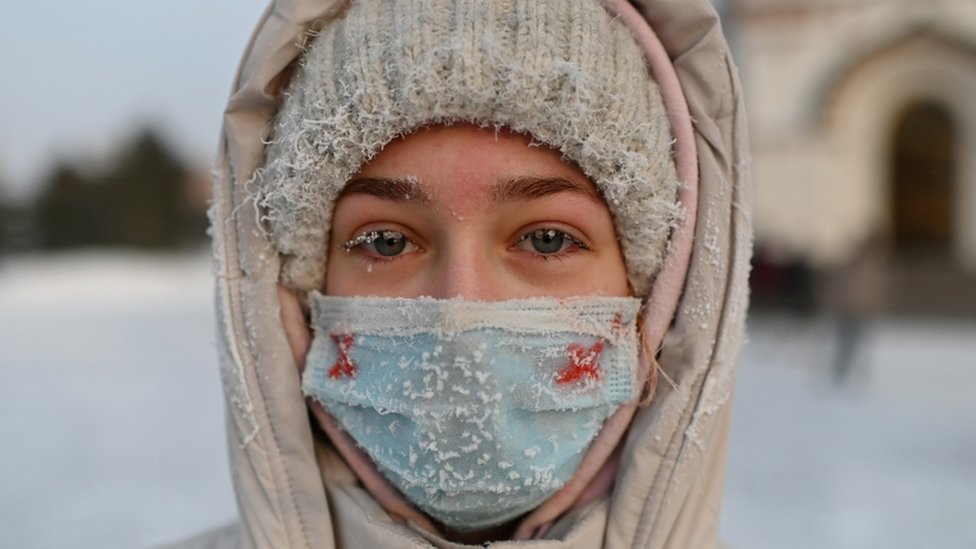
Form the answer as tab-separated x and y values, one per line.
476	411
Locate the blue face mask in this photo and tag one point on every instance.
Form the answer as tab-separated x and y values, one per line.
476	411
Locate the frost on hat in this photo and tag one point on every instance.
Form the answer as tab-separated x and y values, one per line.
563	72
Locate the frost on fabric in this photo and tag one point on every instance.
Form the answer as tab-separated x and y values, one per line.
460	403
236	392
726	308
717	390
231	369
358	89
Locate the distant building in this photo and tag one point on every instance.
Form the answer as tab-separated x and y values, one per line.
863	121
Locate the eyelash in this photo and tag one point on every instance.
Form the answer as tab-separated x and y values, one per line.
538	232
369	237
364	238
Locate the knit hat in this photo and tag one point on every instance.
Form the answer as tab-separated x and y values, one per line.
564	72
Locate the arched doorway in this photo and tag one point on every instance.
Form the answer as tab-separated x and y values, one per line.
902	125
923	172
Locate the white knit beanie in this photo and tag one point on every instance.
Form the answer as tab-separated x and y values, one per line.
562	71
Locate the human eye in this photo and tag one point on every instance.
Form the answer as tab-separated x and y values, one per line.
381	245
549	242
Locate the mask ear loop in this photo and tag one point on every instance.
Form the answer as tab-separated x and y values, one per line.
295	322
654	369
650	386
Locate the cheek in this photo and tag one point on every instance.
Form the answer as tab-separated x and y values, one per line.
337	281
616	277
587	273
347	274
608	272
608	276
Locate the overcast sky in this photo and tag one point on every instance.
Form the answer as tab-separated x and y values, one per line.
80	76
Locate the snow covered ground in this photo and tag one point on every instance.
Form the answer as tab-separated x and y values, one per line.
884	459
111	412
111	419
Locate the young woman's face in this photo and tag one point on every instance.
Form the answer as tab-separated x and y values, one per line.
471	212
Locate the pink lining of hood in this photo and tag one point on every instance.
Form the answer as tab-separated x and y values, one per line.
670	282
596	474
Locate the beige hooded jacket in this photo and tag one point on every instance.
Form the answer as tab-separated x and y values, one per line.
294	491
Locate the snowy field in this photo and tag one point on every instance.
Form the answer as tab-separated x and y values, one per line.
885	458
111	419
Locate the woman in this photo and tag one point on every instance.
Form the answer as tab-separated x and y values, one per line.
458	232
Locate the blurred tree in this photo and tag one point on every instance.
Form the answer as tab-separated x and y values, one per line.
146	189
14	222
69	210
4	219
5	215
15	226
140	200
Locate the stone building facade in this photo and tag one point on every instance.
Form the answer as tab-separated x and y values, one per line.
863	121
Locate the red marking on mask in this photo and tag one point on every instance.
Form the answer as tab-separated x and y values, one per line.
344	366
583	363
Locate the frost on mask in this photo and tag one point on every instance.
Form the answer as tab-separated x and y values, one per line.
476	411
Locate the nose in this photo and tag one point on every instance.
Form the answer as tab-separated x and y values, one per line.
467	271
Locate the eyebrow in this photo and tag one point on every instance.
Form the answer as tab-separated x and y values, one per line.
532	188
400	189
409	189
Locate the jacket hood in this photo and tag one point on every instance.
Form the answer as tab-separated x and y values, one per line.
294	491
